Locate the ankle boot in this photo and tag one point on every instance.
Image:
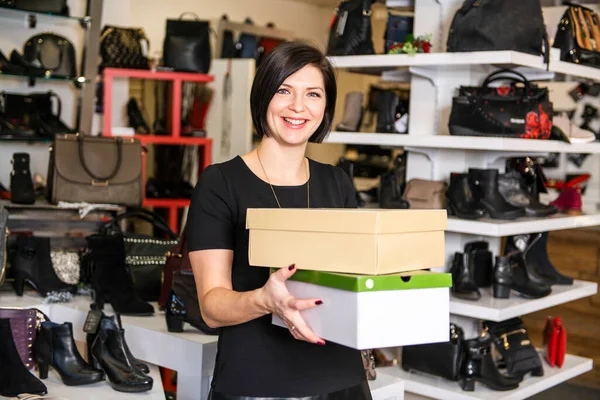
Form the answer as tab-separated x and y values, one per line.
387	102
569	201
183	305
348	167
391	186
510	273
513	189
463	279
523	243
15	379
109	355
352	113
460	200
479	366
21	184
55	346
482	262
485	185
110	280
32	263
116	319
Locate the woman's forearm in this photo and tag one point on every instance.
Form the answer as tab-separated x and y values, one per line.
226	307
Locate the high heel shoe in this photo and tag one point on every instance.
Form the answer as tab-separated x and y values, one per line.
510	273
460	199
55	346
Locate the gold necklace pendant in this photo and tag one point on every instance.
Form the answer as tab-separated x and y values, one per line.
271	186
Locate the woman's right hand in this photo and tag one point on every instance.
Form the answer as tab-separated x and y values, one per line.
281	303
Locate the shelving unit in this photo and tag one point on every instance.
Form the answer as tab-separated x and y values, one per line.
433	154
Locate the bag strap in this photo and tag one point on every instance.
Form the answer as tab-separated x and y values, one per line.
119	142
61	51
58	101
196	17
154	219
495	76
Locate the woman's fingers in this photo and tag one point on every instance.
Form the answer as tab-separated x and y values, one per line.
284	273
302	331
303	304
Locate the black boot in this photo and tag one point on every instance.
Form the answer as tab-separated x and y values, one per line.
21	184
183	305
460	199
348	167
109	355
485	186
15	379
110	280
32	263
510	273
463	279
387	102
514	190
524	243
391	186
55	346
537	253
116	319
483	262
479	366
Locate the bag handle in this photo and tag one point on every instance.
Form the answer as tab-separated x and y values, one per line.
496	76
38	54
58	101
119	143
196	17
156	220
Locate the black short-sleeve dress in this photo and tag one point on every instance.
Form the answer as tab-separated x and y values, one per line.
256	358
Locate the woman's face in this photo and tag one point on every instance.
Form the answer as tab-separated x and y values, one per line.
297	108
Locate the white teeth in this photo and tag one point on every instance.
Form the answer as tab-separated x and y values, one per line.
294	121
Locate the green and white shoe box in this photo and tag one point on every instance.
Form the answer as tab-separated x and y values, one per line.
375	311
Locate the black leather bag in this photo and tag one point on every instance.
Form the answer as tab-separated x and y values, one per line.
482	25
7	3
187	45
124	48
439	359
145	256
351	32
511	340
43	6
576	29
55	53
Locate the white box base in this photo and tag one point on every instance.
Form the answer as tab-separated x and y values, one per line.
369	320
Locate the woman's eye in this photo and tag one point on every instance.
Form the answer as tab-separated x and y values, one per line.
282	91
314	94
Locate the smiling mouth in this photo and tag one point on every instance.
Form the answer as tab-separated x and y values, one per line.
295	122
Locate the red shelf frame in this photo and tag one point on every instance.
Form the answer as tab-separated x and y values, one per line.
175	138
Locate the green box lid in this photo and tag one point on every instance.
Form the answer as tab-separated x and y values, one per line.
369	283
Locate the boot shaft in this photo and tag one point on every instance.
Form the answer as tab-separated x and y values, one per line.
20	162
485	180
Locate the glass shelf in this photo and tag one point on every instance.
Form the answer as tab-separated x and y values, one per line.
77	80
16	13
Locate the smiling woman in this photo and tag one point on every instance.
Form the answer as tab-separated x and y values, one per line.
292	103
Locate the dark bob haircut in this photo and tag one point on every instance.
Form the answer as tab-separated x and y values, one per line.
281	62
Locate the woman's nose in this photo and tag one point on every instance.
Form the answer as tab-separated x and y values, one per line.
297	103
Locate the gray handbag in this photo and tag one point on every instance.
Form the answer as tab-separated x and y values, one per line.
95	170
3	240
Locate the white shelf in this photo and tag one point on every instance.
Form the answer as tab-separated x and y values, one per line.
567	68
386	387
502	309
439	388
461	142
499	228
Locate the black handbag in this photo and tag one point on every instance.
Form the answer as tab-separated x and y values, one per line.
481	25
351	30
578	26
7	3
511	340
187	45
247	45
145	256
521	110
55	53
439	359
124	48
398	27
44	6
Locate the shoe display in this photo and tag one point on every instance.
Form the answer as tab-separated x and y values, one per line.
514	190
460	199
110	280
510	273
348	167
569	201
571	132
485	187
524	243
15	378
387	102
55	346
482	262
352	117
21	183
463	278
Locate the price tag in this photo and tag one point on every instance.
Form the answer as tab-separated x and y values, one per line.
92	321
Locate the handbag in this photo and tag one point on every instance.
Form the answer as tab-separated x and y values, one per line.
3	242
187	45
46	6
247	45
481	25
351	31
95	170
24	323
423	194
177	260
578	36
66	265
7	3
555	341
55	53
517	354
440	359
397	29
145	256
124	48
521	110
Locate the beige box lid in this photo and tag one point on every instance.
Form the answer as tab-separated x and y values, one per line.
345	220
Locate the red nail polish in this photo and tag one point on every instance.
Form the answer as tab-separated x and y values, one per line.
321	343
291	267
318	302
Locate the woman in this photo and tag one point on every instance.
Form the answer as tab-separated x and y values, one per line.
292	103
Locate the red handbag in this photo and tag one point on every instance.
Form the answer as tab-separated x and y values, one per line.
555	341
